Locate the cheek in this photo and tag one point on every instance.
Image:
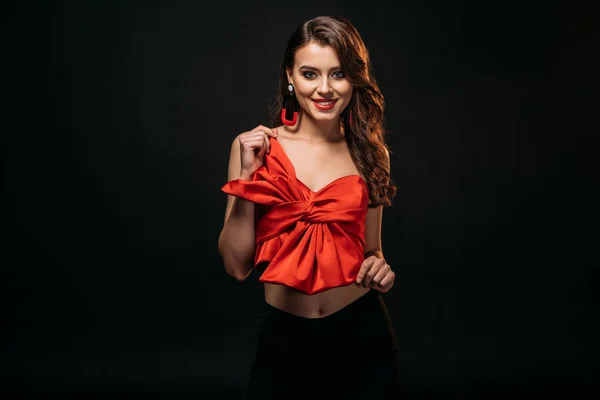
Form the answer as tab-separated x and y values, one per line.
304	89
344	90
343	87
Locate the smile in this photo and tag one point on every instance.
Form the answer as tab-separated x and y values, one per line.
324	105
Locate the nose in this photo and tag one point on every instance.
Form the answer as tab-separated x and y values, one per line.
324	87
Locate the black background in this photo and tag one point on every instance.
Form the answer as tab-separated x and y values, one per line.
118	120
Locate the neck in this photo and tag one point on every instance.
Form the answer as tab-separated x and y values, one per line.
312	130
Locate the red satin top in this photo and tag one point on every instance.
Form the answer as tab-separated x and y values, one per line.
311	241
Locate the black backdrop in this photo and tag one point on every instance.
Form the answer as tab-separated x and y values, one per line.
117	126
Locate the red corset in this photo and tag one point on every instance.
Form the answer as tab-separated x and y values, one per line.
311	241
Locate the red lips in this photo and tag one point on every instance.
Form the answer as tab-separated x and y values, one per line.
324	104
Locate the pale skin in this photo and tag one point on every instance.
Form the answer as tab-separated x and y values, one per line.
317	149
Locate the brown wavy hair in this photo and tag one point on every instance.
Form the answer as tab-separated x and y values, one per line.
365	136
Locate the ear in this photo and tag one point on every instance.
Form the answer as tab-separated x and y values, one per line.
289	75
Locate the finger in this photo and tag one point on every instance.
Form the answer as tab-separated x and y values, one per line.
269	131
255	146
267	143
246	143
387	282
261	145
385	269
364	268
261	150
253	143
262	139
372	272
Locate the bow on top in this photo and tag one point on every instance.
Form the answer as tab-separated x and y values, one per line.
311	241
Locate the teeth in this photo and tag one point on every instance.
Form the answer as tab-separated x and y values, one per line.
325	103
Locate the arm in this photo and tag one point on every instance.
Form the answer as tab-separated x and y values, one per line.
237	238
374	271
373	227
373	232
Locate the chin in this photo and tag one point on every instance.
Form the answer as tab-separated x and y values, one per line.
319	115
325	118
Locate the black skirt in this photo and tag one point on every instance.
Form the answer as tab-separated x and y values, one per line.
350	354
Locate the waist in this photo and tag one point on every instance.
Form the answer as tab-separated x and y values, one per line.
317	305
308	343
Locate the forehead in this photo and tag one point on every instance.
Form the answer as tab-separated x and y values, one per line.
316	55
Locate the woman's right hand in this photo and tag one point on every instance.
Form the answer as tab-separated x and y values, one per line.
253	147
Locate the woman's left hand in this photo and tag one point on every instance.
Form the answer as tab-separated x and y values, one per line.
376	274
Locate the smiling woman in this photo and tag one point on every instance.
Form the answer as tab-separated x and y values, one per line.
305	208
321	86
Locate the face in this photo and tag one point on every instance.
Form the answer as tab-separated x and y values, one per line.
321	86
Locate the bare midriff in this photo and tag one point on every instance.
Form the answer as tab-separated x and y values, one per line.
317	305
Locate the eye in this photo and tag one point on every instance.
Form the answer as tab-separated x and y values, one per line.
308	74
339	74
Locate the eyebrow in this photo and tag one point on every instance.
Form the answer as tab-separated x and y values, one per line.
316	69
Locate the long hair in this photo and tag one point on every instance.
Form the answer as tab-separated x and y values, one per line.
365	135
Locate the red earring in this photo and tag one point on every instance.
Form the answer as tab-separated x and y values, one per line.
291	108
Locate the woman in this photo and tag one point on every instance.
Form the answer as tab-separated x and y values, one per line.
305	208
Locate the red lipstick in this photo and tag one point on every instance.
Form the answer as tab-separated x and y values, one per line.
324	104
